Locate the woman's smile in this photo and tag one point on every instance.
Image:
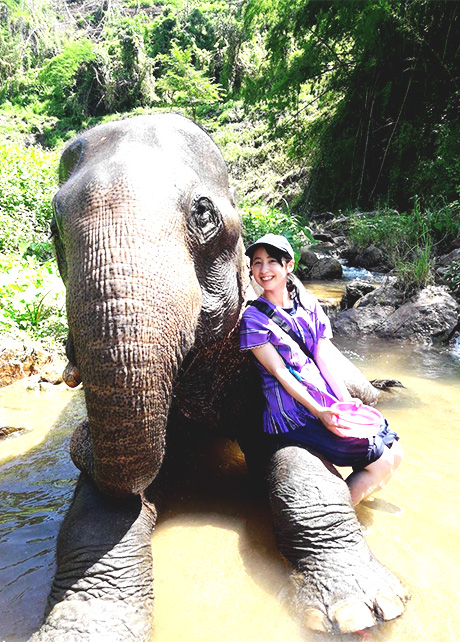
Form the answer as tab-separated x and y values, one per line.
268	272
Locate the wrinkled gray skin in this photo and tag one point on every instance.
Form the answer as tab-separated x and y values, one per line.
149	246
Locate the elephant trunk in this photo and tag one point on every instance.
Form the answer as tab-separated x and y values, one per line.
133	308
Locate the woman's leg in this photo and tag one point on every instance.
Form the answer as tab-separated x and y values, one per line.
374	477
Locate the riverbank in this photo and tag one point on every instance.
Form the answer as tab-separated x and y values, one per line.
26	357
387	302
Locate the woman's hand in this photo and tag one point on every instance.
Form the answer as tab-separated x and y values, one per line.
331	420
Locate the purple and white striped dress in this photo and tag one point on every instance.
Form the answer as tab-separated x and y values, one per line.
282	412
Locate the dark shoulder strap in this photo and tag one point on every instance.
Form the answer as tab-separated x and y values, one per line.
272	314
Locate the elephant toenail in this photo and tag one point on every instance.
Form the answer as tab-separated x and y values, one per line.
317	621
388	607
352	616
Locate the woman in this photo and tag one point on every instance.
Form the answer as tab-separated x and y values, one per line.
299	378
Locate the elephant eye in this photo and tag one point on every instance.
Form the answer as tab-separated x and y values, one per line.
206	218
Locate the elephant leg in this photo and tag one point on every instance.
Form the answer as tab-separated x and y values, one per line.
103	587
339	585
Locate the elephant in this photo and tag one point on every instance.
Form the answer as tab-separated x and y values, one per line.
149	245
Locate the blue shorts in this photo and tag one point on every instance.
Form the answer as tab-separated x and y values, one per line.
341	451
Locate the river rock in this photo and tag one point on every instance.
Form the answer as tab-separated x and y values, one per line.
19	359
5	431
355	291
370	258
339	223
444	263
448	259
359	321
307	258
386	295
455	245
324	237
326	268
431	314
323	247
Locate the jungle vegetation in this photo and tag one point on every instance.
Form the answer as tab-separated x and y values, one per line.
316	104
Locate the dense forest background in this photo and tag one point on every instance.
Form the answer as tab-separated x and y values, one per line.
345	106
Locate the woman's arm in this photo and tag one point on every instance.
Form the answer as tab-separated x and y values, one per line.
271	360
326	362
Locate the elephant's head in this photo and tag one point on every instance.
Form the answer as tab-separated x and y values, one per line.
148	244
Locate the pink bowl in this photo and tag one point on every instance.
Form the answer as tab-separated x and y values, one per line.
362	421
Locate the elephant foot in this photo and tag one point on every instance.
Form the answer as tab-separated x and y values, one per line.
331	598
103	587
96	619
339	586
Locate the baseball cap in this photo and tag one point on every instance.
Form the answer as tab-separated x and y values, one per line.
274	240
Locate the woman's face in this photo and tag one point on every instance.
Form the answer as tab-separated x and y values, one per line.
267	272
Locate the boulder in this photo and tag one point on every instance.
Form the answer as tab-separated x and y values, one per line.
307	258
444	264
386	295
432	314
5	431
323	247
355	291
349	254
446	260
19	359
326	268
336	223
359	321
455	245
322	216
323	237
371	257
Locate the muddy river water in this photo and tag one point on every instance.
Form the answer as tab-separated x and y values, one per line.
218	575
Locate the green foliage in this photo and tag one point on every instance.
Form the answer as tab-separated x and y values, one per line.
27	184
29	34
386	72
32	298
130	82
58	77
414	270
262	219
408	239
390	229
452	278
182	84
109	58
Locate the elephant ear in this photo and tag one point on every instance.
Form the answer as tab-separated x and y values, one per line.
205	221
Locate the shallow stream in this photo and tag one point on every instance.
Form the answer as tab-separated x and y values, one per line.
217	572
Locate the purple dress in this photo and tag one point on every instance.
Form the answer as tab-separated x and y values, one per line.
287	420
283	413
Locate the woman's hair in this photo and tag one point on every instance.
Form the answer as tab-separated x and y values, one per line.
280	256
274	252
